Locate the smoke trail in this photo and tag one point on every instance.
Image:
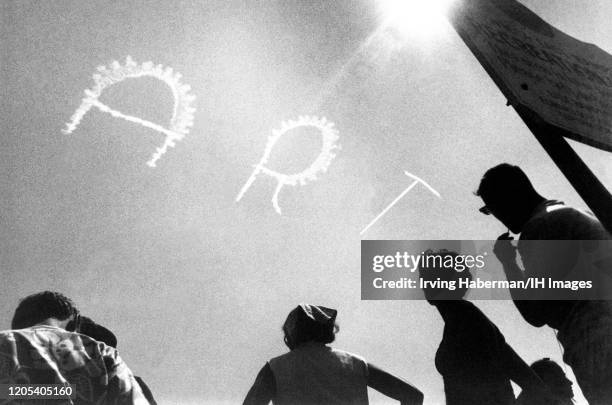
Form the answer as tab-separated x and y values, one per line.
182	114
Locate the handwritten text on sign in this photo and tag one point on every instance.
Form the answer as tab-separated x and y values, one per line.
568	83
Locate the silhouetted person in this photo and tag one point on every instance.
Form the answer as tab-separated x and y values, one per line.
555	379
43	348
314	373
473	358
584	326
88	327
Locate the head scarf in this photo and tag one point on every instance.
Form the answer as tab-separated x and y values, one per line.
323	316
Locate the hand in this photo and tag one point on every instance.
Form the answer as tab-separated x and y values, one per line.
504	249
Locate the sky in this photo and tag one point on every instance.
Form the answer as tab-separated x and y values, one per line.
197	286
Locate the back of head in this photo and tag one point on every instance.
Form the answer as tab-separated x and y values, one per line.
545	365
447	267
313	373
508	195
38	307
554	377
310	323
548	370
504	181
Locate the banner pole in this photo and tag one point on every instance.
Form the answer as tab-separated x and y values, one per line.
580	176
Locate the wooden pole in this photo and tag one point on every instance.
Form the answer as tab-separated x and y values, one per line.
580	176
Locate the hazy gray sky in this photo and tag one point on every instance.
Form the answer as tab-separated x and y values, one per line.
195	286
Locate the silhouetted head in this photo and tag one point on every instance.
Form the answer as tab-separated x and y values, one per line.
444	266
553	376
88	327
508	195
310	323
43	306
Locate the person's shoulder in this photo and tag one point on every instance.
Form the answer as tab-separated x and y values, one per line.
282	357
469	309
6	337
559	221
348	355
352	361
77	341
35	332
474	320
582	224
562	211
96	351
6	333
12	332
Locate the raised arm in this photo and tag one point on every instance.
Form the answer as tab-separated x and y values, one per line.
521	373
263	389
393	386
506	253
518	370
122	388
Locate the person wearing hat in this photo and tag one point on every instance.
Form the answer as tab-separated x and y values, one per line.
44	347
314	373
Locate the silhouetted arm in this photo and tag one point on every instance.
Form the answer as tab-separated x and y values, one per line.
513	366
518	370
263	389
393	386
531	311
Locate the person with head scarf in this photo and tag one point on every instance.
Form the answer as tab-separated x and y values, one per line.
314	373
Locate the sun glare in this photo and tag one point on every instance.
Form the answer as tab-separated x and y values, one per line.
414	18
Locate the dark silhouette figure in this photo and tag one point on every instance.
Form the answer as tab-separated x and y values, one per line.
555	379
87	326
473	358
314	373
584	326
43	347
